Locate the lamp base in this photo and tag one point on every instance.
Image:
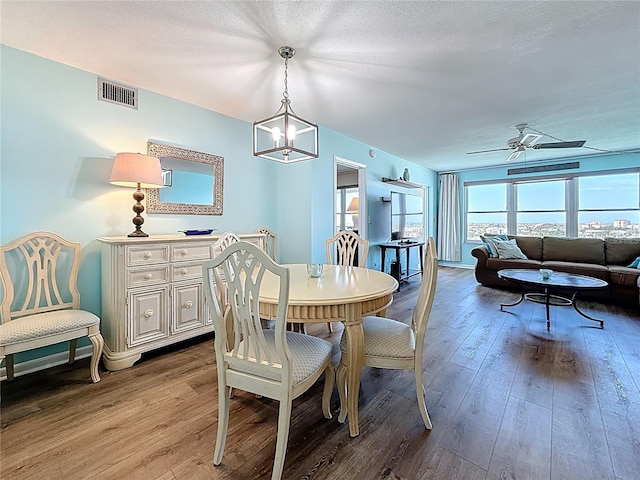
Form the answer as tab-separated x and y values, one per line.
138	233
138	208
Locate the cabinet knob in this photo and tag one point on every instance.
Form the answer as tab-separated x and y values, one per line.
183	252
183	271
188	304
148	276
148	313
147	255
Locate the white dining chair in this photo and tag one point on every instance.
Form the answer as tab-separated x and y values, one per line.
349	249
392	344
224	240
271	241
41	302
273	363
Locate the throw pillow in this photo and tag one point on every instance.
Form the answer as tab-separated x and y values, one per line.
635	263
490	241
509	249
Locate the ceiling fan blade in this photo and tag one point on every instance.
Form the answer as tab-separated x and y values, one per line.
515	155
486	151
530	139
574	144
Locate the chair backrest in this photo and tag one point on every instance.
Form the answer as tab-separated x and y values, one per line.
245	266
271	240
426	295
348	246
39	274
224	240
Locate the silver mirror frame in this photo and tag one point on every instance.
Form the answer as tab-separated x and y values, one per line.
154	205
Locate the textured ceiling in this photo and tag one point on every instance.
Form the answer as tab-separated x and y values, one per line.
424	80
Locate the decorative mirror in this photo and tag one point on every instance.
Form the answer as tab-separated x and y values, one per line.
194	182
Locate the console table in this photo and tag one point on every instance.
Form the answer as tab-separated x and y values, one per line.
398	247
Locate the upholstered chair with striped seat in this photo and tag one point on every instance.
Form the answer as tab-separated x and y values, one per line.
392	344
41	303
273	363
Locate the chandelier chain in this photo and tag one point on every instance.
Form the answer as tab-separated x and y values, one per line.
285	94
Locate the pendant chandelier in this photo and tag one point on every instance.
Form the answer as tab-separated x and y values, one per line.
285	137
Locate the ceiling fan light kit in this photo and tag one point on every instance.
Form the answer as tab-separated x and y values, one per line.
529	140
285	137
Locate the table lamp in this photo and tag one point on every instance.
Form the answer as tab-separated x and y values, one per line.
140	171
353	209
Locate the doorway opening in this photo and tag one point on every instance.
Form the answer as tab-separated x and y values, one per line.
350	200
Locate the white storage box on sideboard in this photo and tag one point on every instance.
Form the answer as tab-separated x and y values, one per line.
152	293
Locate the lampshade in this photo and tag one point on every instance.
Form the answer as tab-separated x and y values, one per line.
353	205
131	169
285	137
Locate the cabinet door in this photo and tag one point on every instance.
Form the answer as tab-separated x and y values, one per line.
188	307
148	316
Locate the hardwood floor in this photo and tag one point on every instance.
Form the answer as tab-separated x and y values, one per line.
507	400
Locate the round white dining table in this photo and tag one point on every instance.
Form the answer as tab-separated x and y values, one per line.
343	294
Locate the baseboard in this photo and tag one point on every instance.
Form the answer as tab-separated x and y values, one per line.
49	361
455	265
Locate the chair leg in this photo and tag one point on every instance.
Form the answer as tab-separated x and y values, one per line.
329	382
342	390
8	363
284	421
223	423
98	344
72	350
420	393
298	327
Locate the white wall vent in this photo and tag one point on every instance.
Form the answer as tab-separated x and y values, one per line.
111	92
544	168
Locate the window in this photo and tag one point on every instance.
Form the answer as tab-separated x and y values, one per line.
585	205
541	208
608	205
486	209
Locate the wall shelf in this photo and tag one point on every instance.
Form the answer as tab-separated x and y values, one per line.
401	183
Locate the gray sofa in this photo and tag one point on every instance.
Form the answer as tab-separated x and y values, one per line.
605	259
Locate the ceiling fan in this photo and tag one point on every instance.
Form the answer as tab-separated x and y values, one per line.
529	140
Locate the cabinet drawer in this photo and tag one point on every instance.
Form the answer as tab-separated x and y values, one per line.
147	255
198	251
188	271
138	277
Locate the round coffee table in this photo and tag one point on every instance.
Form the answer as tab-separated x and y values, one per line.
553	288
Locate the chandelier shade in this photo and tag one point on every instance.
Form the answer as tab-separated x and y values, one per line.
285	137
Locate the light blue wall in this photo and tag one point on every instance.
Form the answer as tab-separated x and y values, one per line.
592	163
379	213
58	145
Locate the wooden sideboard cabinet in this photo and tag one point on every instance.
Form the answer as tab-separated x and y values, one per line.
152	293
